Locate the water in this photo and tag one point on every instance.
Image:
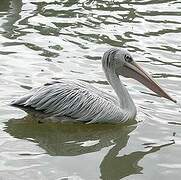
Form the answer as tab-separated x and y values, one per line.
44	40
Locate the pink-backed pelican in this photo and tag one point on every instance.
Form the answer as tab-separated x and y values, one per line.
81	101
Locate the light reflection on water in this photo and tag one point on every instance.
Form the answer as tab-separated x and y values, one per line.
46	40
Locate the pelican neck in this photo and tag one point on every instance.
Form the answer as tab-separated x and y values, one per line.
123	95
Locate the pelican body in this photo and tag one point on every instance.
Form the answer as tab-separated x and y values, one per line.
81	101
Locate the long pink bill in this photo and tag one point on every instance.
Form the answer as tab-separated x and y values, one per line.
140	75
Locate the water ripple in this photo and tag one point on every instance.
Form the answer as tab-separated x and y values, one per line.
45	40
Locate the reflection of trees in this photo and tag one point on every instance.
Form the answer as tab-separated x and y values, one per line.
14	8
4	5
70	140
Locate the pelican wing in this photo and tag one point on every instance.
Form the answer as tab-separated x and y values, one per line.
77	100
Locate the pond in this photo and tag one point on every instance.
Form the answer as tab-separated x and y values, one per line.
45	40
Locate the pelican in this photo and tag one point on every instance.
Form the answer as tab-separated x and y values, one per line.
81	101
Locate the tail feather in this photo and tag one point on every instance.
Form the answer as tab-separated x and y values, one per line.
22	100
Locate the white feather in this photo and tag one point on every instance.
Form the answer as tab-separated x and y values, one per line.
81	101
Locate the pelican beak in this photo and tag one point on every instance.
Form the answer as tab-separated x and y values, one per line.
136	72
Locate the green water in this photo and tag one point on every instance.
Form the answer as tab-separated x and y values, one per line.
44	40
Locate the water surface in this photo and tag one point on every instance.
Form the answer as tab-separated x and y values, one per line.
45	40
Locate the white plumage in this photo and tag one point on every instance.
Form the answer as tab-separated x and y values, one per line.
82	102
77	100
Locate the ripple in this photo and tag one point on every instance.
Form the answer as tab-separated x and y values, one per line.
47	40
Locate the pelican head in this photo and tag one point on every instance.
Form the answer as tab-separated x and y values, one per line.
120	62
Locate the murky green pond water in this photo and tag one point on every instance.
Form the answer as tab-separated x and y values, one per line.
44	40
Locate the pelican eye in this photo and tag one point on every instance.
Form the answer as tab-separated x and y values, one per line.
128	58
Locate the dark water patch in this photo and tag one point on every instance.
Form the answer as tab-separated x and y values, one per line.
6	53
76	72
26	87
166	48
174	123
165	62
164	75
163	31
92	57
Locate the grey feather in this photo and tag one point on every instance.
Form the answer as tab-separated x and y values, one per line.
78	100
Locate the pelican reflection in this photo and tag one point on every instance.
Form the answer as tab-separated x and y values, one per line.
69	139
